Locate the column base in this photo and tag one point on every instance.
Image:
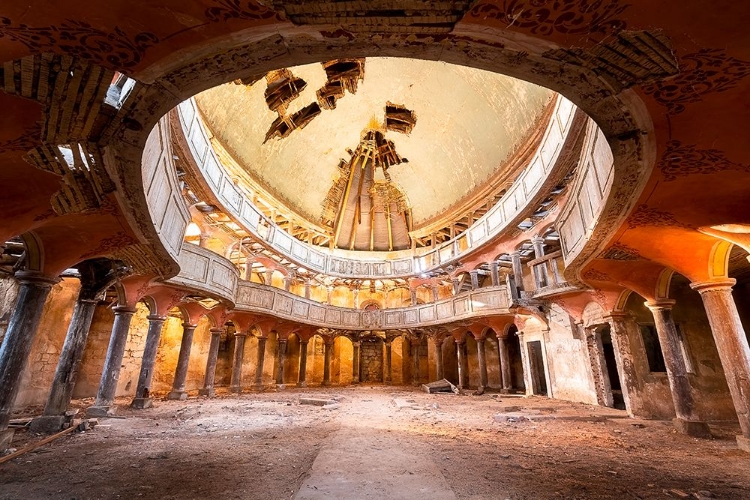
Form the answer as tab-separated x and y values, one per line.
6	437
207	392
280	387
325	384
743	443
301	384
100	411
177	395
47	424
692	428
142	403
235	389
506	391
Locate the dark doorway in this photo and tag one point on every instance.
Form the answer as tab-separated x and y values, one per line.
450	360
371	359
538	375
612	373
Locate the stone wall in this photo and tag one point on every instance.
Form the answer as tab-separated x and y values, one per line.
371	360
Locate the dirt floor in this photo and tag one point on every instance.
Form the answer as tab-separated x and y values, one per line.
378	442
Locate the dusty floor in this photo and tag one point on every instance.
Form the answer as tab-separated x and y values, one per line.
378	442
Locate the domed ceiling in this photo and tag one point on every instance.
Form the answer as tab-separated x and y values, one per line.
372	149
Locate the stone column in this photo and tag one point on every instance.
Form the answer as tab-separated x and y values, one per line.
413	296
482	365
329	295
438	342
456	285
462	375
307	290
66	372
527	382
515	259
688	421
259	363
15	348
435	293
180	373
602	385
143	390
213	354
105	396
239	356
287	283
387	368
302	363
415	360
280	360
732	345
618	323
355	362
538	244
504	358
328	348
495	273
474	279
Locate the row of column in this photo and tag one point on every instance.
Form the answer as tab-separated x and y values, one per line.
463	362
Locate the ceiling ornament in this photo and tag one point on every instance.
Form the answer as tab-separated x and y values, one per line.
681	160
701	73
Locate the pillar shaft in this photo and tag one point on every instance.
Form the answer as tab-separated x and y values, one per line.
732	345
302	363
625	364
143	390
462	375
515	259
259	363
439	372
355	362
415	361
19	336
327	362
280	360
66	372
474	280
239	356
495	273
387	378
213	355
602	384
679	384
504	357
105	396
180	374
482	363
527	381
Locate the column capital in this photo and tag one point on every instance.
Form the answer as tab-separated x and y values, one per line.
36	278
124	310
667	304
217	330
156	318
280	340
356	344
713	285
304	341
241	334
189	326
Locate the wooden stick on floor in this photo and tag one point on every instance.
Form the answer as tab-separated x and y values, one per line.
36	445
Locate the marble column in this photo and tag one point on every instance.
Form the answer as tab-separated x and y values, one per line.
688	421
619	327
213	355
105	396
731	343
280	360
328	348
259	363
462	372
495	273
504	358
474	279
387	373
239	355
482	364
180	374
355	362
16	346
438	343
143	390
415	360
302	363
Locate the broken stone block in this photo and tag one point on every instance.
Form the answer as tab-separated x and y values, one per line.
48	424
316	401
439	386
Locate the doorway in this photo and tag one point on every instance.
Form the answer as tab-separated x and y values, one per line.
538	373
